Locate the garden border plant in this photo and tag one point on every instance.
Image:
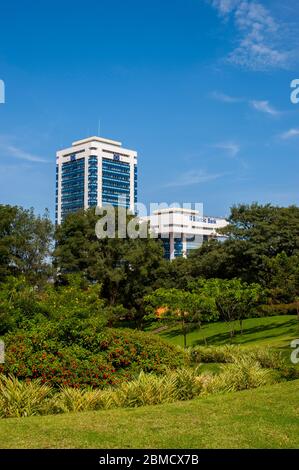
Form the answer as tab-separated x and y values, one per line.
241	370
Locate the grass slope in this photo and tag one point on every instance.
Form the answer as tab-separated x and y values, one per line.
263	418
276	331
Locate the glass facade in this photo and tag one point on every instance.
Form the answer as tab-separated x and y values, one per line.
135	184
115	183
178	247
166	247
56	194
72	190
92	181
80	184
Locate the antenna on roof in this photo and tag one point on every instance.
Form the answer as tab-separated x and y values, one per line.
99	128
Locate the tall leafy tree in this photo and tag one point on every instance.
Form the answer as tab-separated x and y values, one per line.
233	298
255	234
267	229
179	306
127	268
281	278
25	243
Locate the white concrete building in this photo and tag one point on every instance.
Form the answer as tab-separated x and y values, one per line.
94	172
182	230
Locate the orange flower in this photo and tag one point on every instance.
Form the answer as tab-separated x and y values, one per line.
160	311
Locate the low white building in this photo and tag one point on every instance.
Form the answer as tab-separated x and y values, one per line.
182	230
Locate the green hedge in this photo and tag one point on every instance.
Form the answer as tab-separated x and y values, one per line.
279	309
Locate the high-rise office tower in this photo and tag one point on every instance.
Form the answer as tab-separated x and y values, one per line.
95	172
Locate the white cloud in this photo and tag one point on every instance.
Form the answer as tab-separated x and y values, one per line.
230	147
264	107
224	6
219	96
261	41
259	105
289	134
12	151
193	177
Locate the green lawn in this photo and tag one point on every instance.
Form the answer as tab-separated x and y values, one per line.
276	331
267	417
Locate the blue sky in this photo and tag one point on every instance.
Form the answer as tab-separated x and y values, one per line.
200	88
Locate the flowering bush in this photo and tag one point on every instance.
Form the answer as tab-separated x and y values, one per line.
96	358
143	351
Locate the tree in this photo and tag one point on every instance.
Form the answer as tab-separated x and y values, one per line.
297	306
259	232
75	298
18	303
25	244
178	306
21	304
233	298
256	234
281	278
127	268
267	229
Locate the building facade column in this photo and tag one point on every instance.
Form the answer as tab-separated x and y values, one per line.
100	180
86	182
171	246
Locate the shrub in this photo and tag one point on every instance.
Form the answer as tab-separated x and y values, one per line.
62	367
70	399
222	354
264	356
147	389
287	372
143	351
279	309
18	399
187	383
21	398
98	359
241	375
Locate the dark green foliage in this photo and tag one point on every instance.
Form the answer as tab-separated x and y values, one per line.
262	246
288	372
265	230
25	244
279	309
128	269
22	305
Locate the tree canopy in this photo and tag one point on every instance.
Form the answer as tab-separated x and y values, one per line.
25	243
127	268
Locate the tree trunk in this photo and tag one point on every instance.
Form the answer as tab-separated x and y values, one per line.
185	335
232	332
